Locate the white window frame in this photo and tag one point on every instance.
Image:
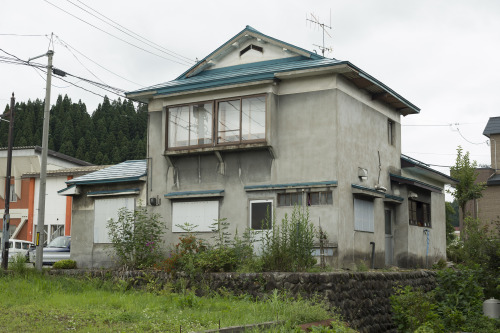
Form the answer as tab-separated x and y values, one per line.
202	214
364	217
250	213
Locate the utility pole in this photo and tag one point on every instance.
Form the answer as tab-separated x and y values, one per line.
40	236
6	215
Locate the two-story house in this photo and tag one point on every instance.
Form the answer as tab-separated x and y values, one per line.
487	208
24	191
260	126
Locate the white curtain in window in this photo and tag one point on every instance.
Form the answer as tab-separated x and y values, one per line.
202	214
106	209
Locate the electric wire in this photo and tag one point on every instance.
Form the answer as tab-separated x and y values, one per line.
66	45
88	70
121	39
113	90
140	38
22	35
473	143
73	84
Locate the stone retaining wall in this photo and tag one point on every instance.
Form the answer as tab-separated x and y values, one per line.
361	297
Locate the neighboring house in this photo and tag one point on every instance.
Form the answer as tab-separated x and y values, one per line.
97	197
260	125
426	212
25	184
57	209
487	208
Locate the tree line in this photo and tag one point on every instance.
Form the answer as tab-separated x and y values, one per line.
113	133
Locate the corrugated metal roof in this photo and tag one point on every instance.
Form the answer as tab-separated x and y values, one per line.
492	127
122	172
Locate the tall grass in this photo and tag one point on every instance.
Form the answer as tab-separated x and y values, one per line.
43	303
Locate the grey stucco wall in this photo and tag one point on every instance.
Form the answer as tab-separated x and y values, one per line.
321	129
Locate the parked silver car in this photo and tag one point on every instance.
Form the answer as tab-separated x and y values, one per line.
58	249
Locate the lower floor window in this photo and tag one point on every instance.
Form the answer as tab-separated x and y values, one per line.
290	199
420	213
319	198
261	214
201	215
315	198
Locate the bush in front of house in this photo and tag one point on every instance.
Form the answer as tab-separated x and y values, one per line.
64	264
287	246
137	237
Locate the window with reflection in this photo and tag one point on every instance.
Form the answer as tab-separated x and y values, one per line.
241	119
237	120
190	125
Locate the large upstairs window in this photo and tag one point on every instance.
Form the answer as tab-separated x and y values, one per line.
242	119
190	125
235	120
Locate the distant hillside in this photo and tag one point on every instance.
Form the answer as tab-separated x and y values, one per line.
115	132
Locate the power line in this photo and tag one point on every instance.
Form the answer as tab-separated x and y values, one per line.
73	84
121	39
474	143
16	60
140	38
21	35
66	45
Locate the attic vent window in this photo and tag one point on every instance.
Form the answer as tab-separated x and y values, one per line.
251	47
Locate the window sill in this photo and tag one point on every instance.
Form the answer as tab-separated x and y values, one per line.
219	148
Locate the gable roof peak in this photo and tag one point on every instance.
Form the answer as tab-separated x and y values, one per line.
248	33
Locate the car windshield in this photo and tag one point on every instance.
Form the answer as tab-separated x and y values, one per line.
59	242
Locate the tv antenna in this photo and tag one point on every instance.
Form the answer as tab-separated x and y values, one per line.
315	21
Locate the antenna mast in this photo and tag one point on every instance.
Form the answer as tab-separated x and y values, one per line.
314	20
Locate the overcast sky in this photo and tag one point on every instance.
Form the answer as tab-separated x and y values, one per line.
443	56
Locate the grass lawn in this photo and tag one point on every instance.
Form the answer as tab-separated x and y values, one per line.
31	302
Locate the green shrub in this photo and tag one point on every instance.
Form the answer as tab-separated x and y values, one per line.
479	245
454	305
18	264
65	264
412	309
288	246
459	296
222	259
137	237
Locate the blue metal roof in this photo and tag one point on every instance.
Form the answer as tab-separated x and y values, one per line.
291	185
410	161
238	74
416	182
123	172
386	195
110	192
194	193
